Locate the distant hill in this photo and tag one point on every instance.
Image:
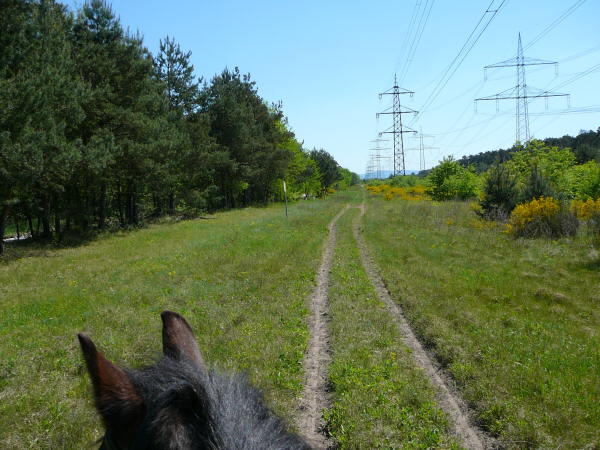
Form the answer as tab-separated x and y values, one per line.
586	146
387	174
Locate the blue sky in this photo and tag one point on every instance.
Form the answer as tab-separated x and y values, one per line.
326	61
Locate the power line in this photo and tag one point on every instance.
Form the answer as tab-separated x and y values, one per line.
578	76
405	43
461	55
553	25
581	54
416	39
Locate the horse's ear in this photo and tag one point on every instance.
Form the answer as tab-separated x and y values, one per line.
117	401
179	340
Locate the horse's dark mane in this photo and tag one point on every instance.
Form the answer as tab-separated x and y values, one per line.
228	410
179	404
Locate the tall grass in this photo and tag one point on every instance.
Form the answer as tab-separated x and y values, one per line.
380	399
241	280
516	322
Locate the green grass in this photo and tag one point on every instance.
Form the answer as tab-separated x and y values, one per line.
242	280
11	229
516	322
380	399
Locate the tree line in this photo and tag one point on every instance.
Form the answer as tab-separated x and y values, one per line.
97	132
585	146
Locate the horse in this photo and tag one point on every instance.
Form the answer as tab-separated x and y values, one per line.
180	404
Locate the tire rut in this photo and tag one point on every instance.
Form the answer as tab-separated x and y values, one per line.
315	397
449	400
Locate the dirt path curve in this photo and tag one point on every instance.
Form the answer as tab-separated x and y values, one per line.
449	400
316	361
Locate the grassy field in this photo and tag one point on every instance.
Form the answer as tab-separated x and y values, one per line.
242	280
380	399
515	322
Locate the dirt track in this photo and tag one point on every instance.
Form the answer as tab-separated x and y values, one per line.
315	397
449	400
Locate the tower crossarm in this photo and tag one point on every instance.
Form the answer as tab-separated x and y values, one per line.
395	90
406	110
542	94
521	62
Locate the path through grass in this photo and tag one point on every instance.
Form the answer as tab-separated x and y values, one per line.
515	322
242	280
380	399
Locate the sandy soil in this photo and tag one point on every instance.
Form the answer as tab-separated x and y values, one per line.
315	397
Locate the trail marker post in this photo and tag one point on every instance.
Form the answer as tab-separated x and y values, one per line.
285	196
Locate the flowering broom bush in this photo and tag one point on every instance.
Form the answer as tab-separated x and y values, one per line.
584	210
542	217
588	211
415	193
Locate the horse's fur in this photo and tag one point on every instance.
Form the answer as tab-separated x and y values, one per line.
178	403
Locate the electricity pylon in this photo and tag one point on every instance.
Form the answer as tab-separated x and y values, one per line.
521	92
397	129
422	147
370	168
377	157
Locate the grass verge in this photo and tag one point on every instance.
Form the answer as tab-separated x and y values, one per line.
380	399
516	322
242	280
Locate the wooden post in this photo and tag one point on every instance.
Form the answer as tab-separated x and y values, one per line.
285	196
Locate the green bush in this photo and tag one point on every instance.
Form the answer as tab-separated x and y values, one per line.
553	163
584	181
537	186
404	181
450	180
500	192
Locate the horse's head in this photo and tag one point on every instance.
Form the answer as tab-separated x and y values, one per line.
178	403
133	405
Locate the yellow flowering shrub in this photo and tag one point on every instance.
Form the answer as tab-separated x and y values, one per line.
375	189
415	193
542	216
584	210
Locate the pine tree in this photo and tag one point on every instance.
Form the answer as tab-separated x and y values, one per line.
125	114
174	70
15	46
38	85
55	97
246	129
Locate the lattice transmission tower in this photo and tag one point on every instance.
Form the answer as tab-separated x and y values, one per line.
397	129
422	147
370	171
521	93
379	157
